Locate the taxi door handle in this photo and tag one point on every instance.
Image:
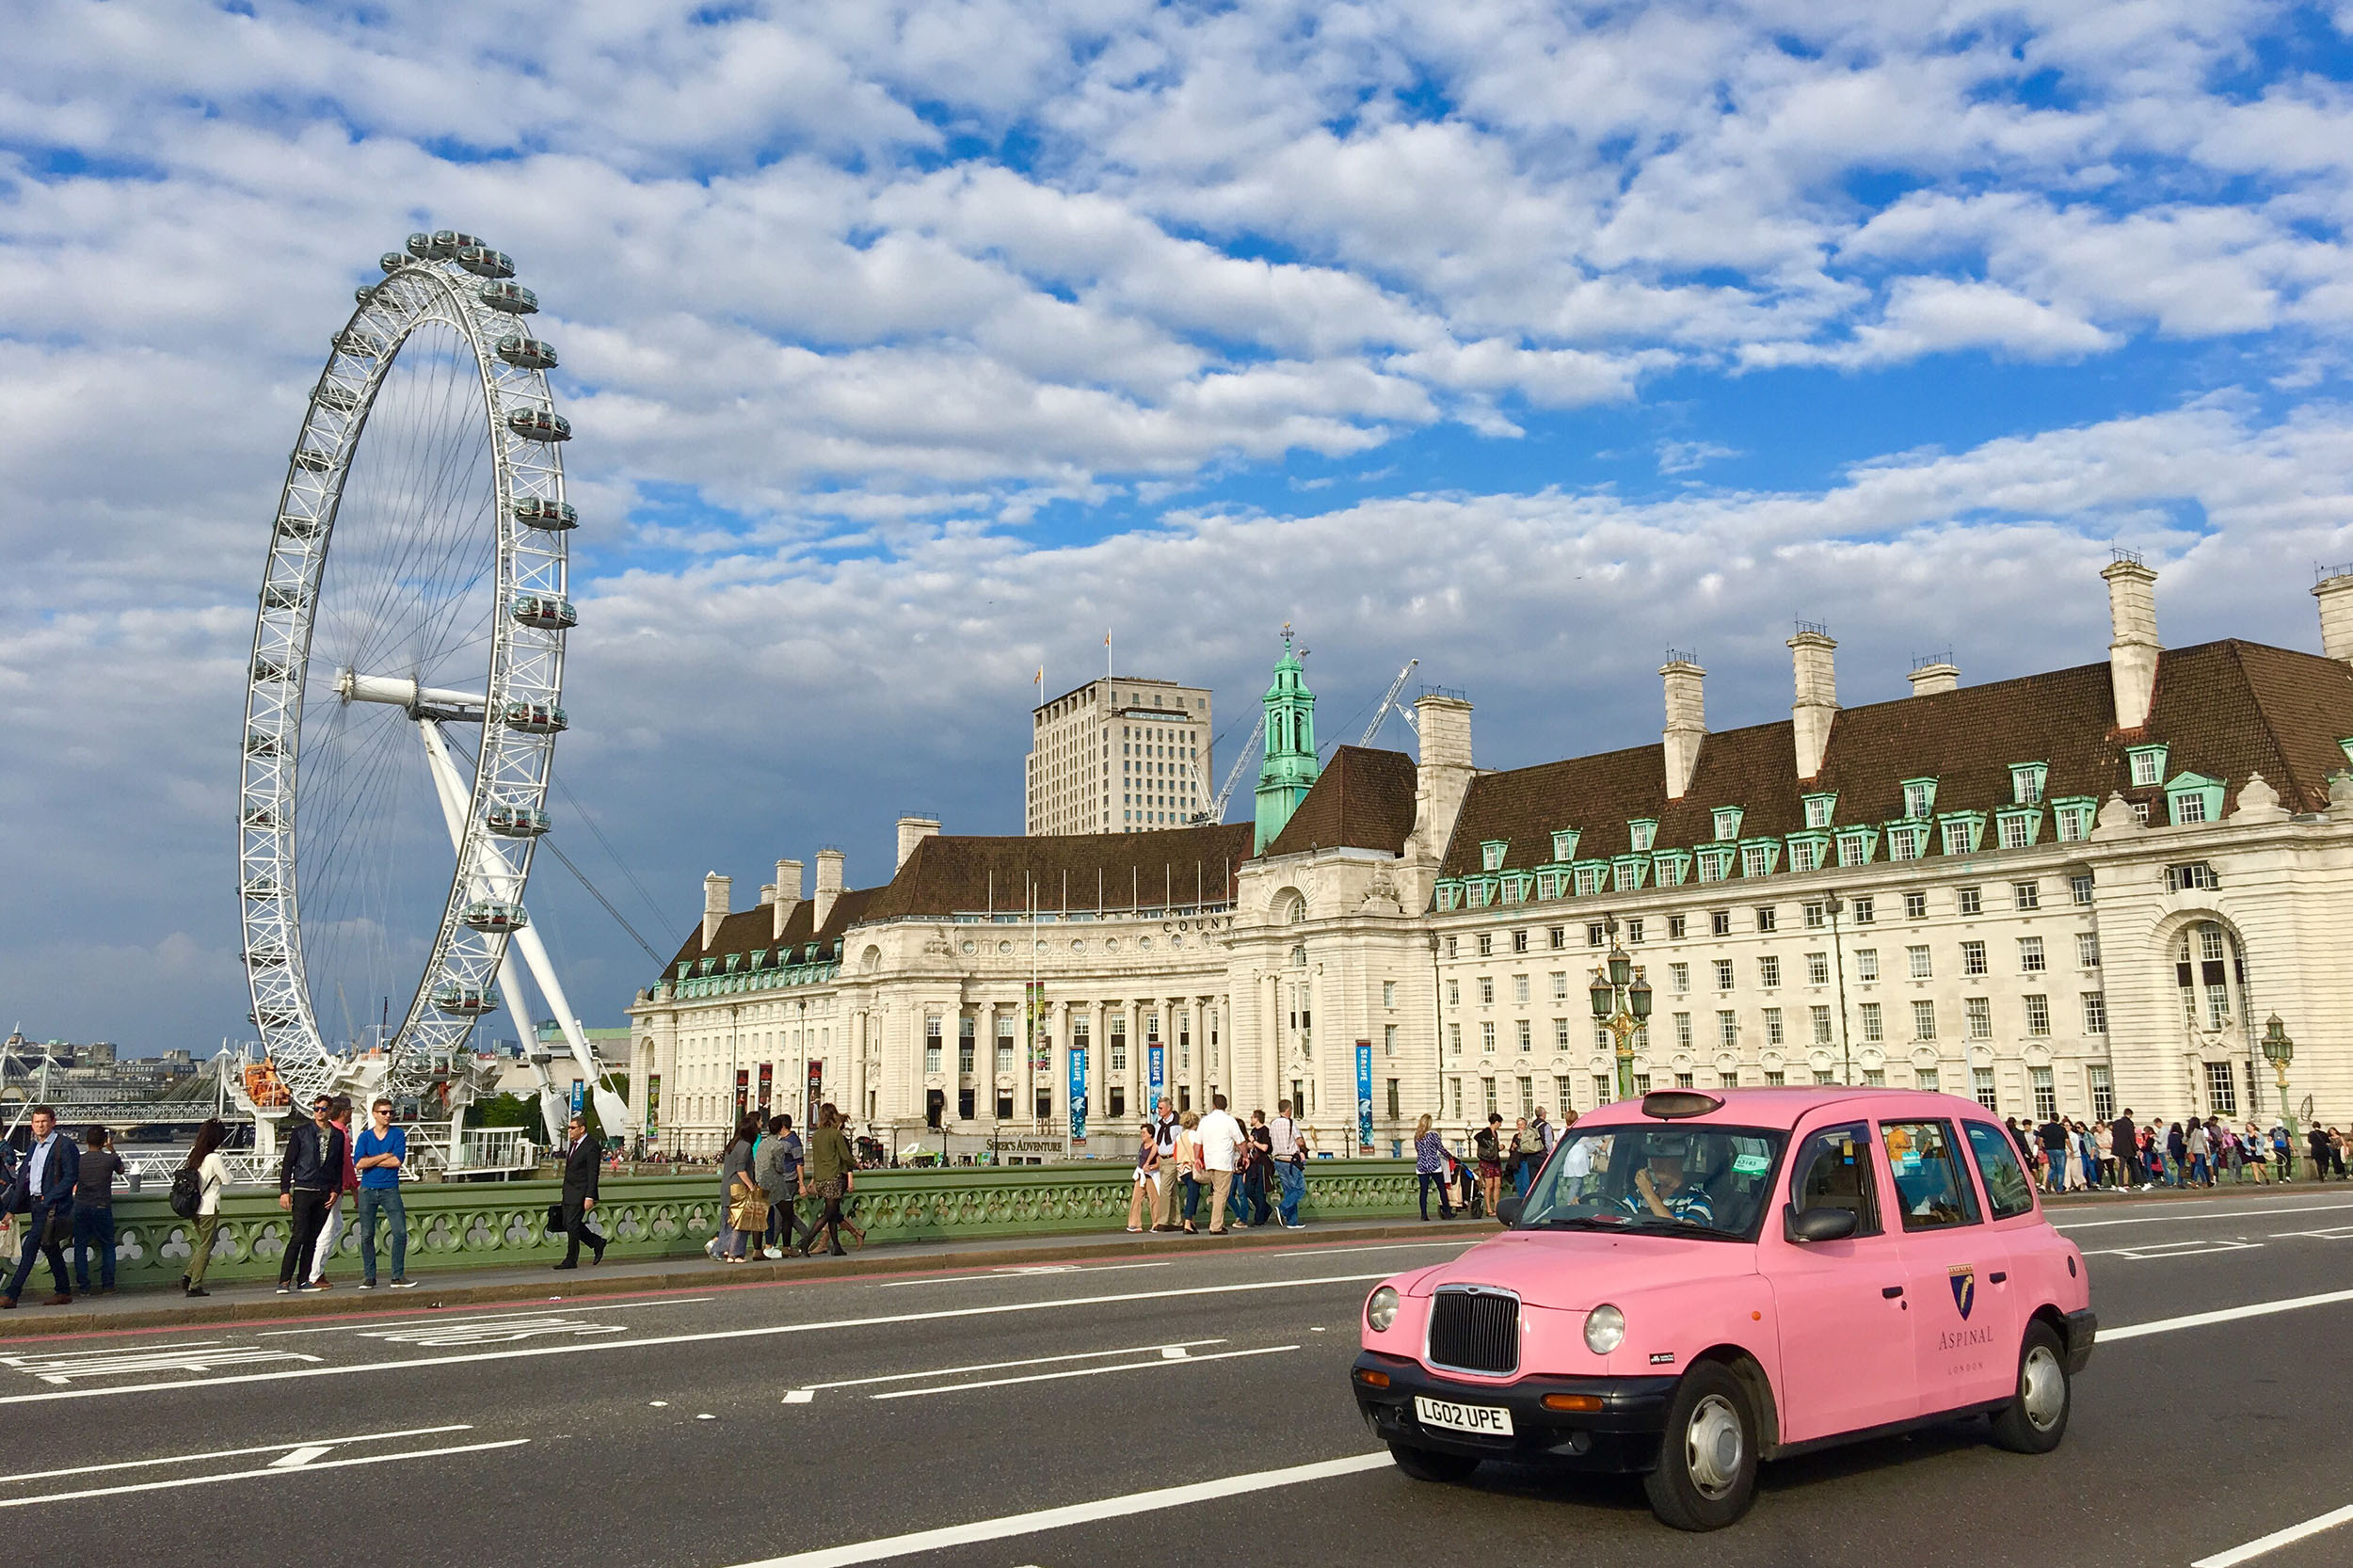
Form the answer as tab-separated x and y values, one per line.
1892	1291
1997	1277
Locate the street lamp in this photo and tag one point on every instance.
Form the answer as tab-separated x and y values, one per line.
2280	1050
1622	1005
1837	906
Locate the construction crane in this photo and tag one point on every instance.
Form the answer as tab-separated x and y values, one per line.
1388	700
1216	813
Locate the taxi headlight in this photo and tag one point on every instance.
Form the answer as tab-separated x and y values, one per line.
1381	1309
1605	1329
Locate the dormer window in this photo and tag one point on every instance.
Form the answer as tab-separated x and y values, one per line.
1563	845
1962	831
2148	763
1919	799
1641	835
1727	824
2193	797
2075	816
2025	782
1491	854
1818	809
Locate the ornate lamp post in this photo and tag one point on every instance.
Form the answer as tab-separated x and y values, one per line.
1621	1004
2280	1050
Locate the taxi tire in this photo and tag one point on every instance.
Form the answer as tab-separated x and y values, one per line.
1676	1497
1432	1465
2013	1428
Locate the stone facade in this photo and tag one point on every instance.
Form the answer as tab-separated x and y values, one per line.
1119	755
2004	890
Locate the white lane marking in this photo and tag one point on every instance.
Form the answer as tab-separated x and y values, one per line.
201	1355
1024	1272
707	1336
264	1473
226	1453
2130	1331
1094	1513
2277	1539
811	1388
1385	1246
294	1459
1182	1358
2192	1218
495	1331
509	1317
2336	1233
2149	1250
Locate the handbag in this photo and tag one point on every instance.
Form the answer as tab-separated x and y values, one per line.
555	1216
749	1209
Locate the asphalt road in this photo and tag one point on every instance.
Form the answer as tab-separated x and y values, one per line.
820	1422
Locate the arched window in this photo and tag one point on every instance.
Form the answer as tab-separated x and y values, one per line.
2210	973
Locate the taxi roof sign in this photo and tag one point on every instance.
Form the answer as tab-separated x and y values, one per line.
1670	1104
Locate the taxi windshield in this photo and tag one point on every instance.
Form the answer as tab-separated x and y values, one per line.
1707	1181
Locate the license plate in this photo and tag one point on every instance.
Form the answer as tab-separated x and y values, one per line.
1486	1420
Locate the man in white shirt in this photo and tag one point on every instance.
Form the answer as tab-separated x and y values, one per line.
1220	1137
1164	1140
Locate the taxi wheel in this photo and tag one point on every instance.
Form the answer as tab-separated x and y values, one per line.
2034	1422
1706	1473
1430	1465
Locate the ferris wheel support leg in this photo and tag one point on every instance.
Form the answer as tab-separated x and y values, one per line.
612	1110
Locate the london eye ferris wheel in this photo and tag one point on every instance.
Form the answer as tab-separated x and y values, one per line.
406	687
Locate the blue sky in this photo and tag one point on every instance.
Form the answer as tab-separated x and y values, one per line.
909	346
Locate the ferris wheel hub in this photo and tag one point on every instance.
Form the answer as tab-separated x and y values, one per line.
400	692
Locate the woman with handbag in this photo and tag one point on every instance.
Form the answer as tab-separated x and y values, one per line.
1146	1182
739	1190
1188	1162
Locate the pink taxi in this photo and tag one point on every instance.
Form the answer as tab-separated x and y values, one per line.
1698	1281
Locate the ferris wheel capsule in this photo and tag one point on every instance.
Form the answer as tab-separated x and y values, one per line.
546	613
538	424
393	261
540	513
518	821
468	1002
483	261
526	353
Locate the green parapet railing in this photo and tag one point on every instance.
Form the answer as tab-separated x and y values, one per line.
503	1225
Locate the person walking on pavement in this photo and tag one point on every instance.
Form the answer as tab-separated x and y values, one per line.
1143	1201
1220	1139
1258	1179
2124	1138
828	1174
1187	1159
43	1193
212	1175
1546	1135
377	1157
778	1167
1430	1169
1488	1146
308	1176
94	1211
582	1155
2054	1136
332	1226
736	1184
1288	1148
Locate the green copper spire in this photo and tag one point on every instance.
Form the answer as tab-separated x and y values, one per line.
1289	769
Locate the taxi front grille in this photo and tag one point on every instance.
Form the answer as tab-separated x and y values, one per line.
1474	1331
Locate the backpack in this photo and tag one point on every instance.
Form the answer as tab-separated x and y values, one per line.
187	1192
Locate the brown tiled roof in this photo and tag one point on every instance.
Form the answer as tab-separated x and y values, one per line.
748	930
1363	800
2224	710
1086	871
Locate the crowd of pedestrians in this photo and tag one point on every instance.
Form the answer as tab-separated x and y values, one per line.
1209	1175
2129	1155
767	1171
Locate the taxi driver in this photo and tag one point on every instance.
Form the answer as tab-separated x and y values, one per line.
1661	1188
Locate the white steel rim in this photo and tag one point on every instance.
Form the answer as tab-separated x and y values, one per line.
525	668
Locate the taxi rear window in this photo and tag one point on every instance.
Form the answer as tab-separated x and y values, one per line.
1930	1188
2006	1188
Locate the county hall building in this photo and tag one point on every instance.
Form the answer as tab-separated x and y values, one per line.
2076	891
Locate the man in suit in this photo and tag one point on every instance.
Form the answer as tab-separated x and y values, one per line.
579	1193
43	1195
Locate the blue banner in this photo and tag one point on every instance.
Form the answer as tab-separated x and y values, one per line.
1078	1093
1156	1056
1363	1095
580	1096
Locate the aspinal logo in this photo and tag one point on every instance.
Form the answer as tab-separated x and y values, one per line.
1964	1282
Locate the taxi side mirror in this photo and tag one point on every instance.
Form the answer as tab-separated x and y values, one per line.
1817	1225
1508	1211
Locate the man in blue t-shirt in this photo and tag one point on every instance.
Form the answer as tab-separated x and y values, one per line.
378	1153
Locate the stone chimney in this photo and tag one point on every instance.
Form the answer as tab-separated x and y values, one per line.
788	899
828	886
1817	696
767	894
913	831
2133	651
1937	674
1687	720
2335	592
715	889
1443	775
